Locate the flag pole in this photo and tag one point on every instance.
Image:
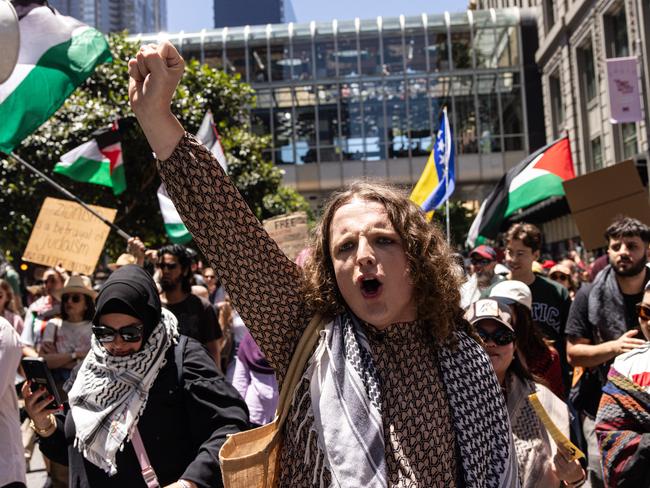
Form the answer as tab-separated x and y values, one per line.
117	229
446	188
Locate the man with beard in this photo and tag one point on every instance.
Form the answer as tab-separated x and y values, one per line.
603	323
197	318
482	278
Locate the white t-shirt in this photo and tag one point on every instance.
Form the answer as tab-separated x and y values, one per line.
68	336
12	456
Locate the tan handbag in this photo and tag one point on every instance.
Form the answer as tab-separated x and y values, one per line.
250	459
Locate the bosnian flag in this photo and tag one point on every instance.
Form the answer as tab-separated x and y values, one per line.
97	161
176	230
57	54
536	178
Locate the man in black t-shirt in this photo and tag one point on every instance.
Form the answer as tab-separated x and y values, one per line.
197	318
602	321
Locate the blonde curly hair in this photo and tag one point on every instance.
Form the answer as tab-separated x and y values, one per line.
436	283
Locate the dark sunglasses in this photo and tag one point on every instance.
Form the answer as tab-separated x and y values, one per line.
559	276
130	333
643	311
500	337
169	266
76	298
482	262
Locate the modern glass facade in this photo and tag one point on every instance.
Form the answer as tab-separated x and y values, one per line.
371	90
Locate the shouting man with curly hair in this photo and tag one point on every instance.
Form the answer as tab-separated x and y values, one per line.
397	392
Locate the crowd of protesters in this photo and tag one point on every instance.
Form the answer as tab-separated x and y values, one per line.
420	375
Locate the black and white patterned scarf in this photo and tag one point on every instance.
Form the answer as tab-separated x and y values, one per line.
110	393
347	410
344	385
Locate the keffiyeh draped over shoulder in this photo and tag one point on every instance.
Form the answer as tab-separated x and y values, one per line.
344	386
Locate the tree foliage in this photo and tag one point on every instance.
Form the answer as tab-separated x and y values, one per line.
460	220
102	99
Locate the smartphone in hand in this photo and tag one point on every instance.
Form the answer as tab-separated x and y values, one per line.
39	375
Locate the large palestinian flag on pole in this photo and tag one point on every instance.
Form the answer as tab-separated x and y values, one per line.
536	178
57	54
97	161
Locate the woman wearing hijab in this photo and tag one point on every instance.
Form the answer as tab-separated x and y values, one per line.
139	380
396	393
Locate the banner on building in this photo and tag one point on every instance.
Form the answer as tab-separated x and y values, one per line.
67	233
623	87
289	231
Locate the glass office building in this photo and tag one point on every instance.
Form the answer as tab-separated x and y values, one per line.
348	99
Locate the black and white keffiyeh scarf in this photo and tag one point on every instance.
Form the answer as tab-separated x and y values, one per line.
346	406
110	393
344	385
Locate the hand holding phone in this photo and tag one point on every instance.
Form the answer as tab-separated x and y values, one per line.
39	376
37	404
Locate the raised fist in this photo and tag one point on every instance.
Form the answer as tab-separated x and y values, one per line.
154	75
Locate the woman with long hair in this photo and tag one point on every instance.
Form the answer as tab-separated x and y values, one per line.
542	359
7	309
66	339
541	463
396	392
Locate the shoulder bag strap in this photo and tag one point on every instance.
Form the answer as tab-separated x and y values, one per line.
148	472
300	357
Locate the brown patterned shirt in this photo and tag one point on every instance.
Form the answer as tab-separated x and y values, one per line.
420	442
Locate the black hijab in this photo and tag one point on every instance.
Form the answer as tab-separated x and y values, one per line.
130	290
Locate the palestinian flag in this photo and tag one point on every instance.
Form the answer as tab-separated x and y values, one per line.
176	230
536	178
211	139
57	54
97	161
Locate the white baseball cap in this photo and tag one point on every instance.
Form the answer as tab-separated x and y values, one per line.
513	291
9	39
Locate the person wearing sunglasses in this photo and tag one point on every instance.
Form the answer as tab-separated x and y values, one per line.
562	275
623	419
483	261
66	339
42	310
140	379
541	462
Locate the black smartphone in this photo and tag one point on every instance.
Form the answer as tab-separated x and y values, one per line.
39	375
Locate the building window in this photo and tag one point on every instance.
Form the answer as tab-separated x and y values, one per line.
557	106
587	72
597	153
549	14
628	136
616	40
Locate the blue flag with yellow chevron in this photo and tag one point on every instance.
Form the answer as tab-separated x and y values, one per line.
438	180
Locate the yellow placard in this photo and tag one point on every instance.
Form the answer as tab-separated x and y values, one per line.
555	433
289	231
67	233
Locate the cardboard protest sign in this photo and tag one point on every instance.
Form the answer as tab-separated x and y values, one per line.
597	198
67	233
289	231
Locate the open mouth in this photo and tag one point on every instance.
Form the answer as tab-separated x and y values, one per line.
370	287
